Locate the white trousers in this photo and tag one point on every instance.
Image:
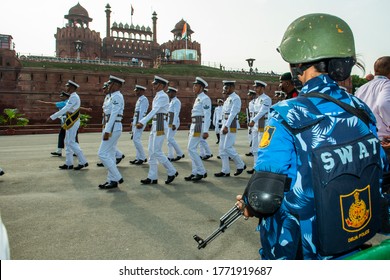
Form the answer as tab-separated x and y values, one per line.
139	149
72	147
106	154
204	148
256	137
226	150
173	147
197	164
156	156
118	153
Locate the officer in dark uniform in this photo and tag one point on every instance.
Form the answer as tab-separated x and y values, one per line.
287	86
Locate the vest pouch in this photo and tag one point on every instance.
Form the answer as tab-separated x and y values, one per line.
347	193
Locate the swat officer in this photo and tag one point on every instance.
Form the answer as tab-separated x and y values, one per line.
141	108
261	108
111	133
173	125
287	86
231	108
71	125
200	124
306	191
160	106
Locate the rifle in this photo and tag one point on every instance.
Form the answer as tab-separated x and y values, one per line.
224	222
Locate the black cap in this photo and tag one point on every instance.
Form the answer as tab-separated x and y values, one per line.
286	77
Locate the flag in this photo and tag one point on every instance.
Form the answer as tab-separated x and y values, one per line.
132	10
184	32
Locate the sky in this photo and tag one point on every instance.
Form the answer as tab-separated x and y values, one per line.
229	31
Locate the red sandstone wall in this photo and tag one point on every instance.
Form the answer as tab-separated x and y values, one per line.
22	89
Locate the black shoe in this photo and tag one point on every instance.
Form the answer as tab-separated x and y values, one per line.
250	154
65	166
199	177
171	159
189	178
171	178
239	171
100	164
178	158
133	161
118	160
250	171
81	166
102	186
217	142
148	181
2	173
140	161
56	154
120	181
207	157
218	157
221	174
109	185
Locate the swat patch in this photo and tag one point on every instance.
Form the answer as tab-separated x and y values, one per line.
267	136
356	209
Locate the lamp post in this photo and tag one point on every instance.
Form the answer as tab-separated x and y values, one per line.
78	45
250	63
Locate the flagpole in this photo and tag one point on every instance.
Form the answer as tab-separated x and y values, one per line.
132	12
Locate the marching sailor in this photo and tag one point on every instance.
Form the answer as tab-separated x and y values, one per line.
111	133
71	125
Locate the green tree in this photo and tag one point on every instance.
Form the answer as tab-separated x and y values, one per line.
357	82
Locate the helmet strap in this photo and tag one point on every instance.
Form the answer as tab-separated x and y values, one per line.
298	69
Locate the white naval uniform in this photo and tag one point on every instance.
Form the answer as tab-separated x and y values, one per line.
230	109
4	243
261	109
201	108
108	147
250	115
376	94
106	112
141	108
160	105
217	119
71	146
174	110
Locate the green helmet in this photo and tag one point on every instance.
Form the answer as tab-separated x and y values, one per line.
317	36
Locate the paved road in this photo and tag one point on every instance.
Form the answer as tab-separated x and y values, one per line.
56	214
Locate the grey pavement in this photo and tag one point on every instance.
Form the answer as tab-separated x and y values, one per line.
61	214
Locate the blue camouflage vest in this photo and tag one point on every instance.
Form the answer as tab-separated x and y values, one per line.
338	174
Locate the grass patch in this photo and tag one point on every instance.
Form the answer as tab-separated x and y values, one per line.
171	69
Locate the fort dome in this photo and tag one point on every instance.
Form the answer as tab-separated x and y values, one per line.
78	10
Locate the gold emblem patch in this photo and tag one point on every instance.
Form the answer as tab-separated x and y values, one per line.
267	136
356	209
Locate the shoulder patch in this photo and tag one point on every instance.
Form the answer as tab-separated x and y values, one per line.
267	136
